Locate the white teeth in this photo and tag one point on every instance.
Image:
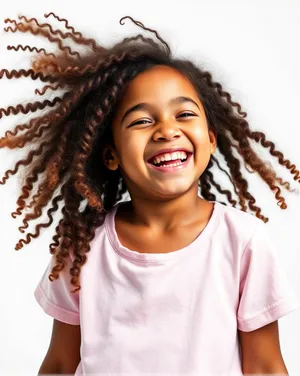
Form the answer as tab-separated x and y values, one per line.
170	157
172	165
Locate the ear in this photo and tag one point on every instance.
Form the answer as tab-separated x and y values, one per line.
109	158
213	141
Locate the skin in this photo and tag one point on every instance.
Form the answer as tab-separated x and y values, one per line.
261	353
63	355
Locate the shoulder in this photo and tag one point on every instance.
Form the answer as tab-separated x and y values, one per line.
239	226
99	232
238	216
98	242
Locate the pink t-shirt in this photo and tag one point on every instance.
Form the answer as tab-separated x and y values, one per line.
175	313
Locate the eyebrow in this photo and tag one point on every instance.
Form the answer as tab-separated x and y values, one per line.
145	106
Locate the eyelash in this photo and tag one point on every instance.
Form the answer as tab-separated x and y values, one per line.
185	113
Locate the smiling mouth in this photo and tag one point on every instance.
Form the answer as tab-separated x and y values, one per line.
171	166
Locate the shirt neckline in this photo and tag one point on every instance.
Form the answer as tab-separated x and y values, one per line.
158	258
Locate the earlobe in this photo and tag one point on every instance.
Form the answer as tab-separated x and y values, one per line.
213	142
109	159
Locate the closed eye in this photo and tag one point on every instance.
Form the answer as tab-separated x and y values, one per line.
185	113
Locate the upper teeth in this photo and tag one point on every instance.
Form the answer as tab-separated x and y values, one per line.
170	157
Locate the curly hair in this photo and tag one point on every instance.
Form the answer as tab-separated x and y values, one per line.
66	164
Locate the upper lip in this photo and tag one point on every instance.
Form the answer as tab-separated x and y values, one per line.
169	150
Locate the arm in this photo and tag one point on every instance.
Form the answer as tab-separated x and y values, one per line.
63	355
261	352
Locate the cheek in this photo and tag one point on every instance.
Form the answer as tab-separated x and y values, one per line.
132	148
199	134
202	145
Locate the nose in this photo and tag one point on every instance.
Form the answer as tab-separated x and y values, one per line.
166	131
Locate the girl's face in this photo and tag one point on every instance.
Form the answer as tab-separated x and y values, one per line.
158	124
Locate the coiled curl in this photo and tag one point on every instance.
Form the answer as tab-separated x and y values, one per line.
67	165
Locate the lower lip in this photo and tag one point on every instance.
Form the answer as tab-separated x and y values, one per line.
174	168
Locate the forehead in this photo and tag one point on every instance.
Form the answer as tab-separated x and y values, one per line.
156	85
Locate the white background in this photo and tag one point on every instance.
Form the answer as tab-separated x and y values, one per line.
252	47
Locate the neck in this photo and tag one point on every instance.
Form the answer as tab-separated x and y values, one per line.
166	215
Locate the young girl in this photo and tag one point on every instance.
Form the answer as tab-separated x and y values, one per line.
167	282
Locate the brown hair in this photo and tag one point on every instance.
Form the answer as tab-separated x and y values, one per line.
71	136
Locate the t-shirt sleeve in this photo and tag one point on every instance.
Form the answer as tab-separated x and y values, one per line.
265	293
55	297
